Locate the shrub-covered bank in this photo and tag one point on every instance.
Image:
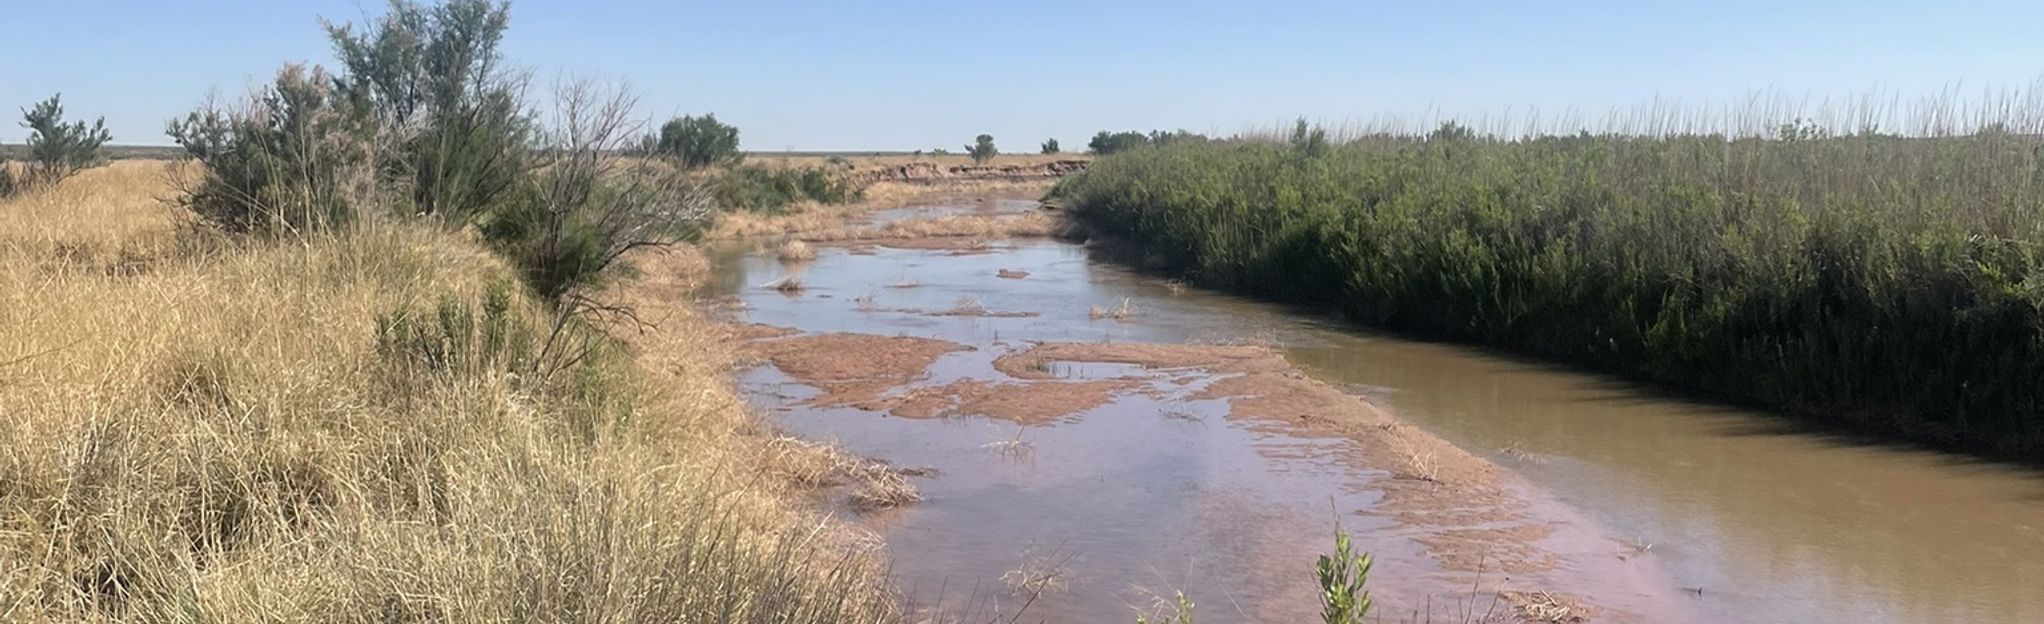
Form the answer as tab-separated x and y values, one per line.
1882	282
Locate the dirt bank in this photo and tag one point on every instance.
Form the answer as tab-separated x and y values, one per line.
930	172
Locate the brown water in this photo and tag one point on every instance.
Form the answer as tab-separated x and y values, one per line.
1669	510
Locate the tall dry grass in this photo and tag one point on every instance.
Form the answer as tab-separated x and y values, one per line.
202	429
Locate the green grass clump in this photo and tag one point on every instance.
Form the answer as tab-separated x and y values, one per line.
1886	283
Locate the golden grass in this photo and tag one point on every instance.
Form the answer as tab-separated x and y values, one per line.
794	250
201	429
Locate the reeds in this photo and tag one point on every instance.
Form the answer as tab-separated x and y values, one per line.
1833	268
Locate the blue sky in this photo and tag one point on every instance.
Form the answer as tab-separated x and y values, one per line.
909	75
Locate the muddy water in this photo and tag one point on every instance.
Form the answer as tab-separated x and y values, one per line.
1666	510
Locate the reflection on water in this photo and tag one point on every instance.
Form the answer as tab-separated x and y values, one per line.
1744	520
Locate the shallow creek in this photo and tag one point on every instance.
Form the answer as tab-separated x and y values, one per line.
1642	506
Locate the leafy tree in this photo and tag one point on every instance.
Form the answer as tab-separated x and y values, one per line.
1309	140
698	142
1050	147
450	129
981	149
1105	142
56	149
1160	138
1450	131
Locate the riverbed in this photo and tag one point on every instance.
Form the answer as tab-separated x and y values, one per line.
1621	503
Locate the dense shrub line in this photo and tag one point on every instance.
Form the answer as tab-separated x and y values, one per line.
1881	282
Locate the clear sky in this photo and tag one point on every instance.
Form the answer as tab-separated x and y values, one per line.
915	75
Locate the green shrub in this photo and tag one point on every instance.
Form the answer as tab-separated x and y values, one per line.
1342	577
582	207
981	149
1882	283
452	135
56	149
1050	146
1105	142
456	338
291	160
698	142
769	189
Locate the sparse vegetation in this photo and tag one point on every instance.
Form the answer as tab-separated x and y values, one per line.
1883	282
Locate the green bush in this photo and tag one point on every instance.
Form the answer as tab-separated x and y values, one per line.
981	149
1105	142
698	142
1883	283
582	208
769	189
56	149
291	160
1050	147
452	135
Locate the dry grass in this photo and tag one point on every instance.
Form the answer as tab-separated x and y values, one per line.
202	429
1123	312
881	488
796	251
1040	574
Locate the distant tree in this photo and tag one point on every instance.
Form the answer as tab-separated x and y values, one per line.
1309	140
698	142
1050	147
1449	131
940	152
1105	142
1801	130
981	149
1160	138
56	149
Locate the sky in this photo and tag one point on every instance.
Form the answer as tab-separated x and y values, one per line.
906	75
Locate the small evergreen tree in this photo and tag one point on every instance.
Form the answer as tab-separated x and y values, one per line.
1309	140
981	149
698	142
1051	147
56	149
